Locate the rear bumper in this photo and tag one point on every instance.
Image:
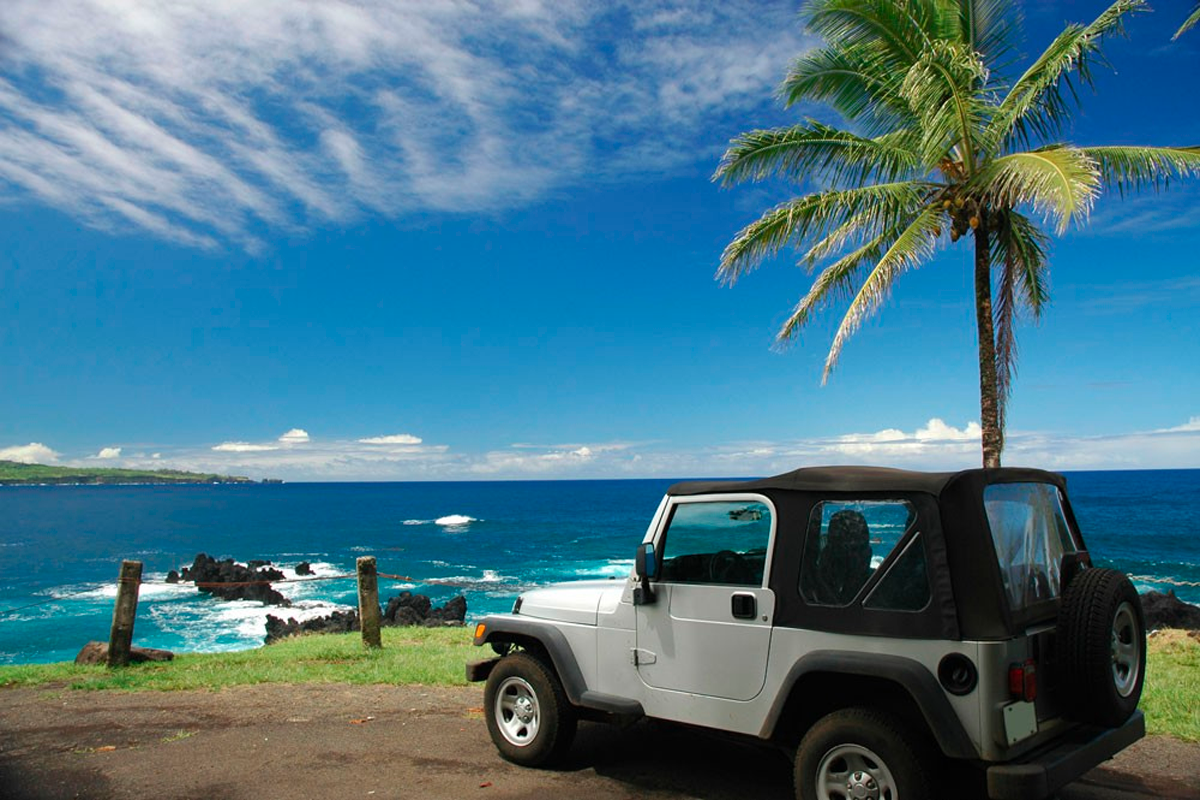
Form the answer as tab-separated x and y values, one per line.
1045	771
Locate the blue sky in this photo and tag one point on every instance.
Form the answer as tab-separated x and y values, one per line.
389	241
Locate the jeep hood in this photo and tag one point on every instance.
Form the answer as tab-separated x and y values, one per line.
571	602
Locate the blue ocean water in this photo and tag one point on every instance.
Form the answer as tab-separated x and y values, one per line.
61	547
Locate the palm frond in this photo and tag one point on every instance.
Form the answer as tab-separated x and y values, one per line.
942	88
1188	23
913	245
791	223
1035	105
1059	181
810	150
1133	168
988	27
902	29
856	81
834	283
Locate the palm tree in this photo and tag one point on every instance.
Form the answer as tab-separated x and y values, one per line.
939	145
1188	23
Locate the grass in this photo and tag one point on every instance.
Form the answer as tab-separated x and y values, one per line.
435	657
1171	698
428	656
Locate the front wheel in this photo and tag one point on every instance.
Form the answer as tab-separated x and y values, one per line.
860	753
529	717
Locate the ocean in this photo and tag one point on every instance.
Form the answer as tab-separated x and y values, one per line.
61	547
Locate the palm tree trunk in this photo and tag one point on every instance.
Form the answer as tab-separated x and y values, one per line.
989	399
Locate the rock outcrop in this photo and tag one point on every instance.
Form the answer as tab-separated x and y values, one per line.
97	653
337	622
232	581
1168	611
406	609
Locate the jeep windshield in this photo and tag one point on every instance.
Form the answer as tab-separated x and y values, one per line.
1031	534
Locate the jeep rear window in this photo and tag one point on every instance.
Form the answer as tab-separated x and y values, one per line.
1031	535
848	541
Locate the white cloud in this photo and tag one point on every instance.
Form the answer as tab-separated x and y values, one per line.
294	436
395	438
1192	424
32	453
243	447
934	445
109	452
202	121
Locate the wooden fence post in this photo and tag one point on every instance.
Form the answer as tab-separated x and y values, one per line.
368	602
124	613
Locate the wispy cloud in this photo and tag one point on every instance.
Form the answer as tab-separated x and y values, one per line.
109	452
935	445
395	438
206	121
243	447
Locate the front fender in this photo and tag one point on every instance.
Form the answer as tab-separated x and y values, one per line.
513	629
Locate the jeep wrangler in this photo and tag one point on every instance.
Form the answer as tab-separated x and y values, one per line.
872	622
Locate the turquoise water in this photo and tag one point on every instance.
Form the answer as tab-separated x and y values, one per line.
61	547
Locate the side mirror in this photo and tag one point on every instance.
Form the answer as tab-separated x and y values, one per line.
645	566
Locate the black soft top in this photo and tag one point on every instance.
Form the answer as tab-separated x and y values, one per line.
969	598
868	479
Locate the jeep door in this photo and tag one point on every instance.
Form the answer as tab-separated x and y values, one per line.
708	629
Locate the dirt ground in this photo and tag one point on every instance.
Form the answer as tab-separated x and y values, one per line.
334	742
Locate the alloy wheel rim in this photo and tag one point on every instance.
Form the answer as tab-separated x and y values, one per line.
1126	650
854	772
517	712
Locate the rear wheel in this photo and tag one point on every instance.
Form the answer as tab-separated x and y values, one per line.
860	754
1101	643
530	719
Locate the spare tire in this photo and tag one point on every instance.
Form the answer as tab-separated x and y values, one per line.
1101	646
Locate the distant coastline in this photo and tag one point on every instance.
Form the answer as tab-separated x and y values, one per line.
13	473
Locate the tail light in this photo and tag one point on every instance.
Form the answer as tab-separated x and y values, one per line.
1022	681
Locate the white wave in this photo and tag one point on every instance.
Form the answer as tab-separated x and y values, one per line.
108	591
489	577
454	520
613	568
221	626
417	521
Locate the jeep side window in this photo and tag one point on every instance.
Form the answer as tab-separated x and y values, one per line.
1031	535
717	542
846	543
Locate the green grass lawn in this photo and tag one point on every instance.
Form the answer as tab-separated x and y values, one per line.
430	656
436	656
1171	698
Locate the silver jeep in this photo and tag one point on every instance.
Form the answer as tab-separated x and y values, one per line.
874	623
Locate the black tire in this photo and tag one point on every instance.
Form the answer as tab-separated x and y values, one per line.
529	717
1101	647
862	748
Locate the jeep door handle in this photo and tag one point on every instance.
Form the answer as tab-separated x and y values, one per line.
743	605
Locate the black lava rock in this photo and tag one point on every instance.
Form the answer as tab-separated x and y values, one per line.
243	582
1168	611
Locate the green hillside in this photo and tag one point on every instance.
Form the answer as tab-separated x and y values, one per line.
13	473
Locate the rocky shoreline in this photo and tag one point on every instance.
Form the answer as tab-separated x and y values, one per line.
230	580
